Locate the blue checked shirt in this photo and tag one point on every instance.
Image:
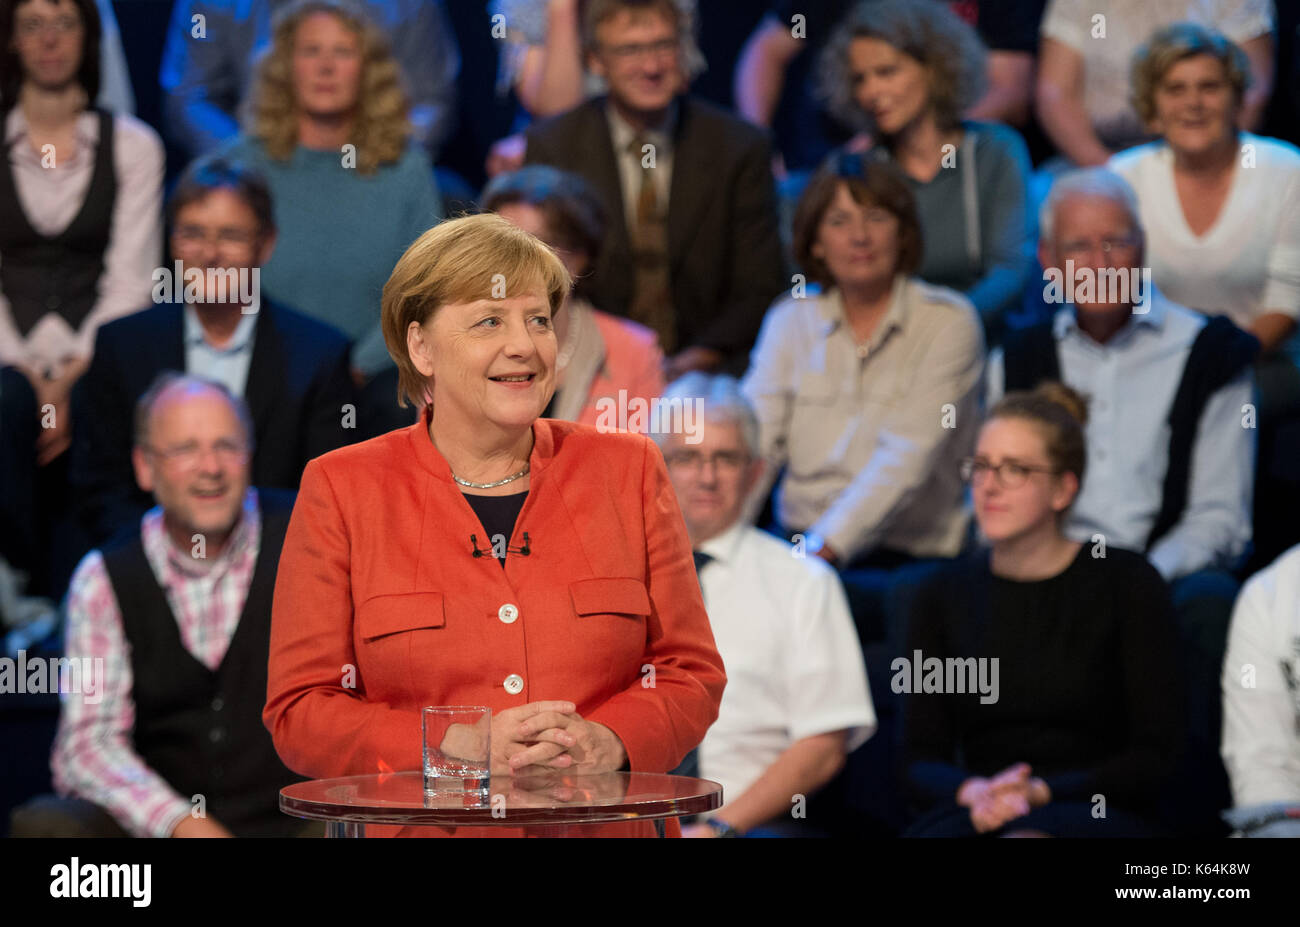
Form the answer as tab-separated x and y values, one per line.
1131	382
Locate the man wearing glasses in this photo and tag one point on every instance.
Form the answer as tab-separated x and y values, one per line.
693	251
1171	432
291	370
797	701
179	614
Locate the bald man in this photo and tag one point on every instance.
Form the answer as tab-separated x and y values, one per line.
171	742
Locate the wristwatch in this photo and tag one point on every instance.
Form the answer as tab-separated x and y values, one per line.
721	828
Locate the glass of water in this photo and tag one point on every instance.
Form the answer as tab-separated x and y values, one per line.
457	750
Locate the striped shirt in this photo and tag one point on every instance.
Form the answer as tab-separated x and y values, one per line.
94	757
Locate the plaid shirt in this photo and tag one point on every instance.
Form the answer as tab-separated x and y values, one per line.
94	756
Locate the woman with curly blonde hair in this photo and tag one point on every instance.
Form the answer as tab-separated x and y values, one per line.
377	122
903	72
327	125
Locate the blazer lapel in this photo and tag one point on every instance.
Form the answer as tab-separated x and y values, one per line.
689	191
601	171
263	369
171	340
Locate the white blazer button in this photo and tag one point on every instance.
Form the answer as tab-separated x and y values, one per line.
514	684
508	613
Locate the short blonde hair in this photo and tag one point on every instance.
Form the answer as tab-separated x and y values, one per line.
1176	43
382	128
462	260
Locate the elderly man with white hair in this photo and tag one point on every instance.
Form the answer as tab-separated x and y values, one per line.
796	702
1171	425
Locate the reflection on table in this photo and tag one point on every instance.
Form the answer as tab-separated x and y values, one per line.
549	805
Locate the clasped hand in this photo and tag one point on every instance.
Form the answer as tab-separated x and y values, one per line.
1004	797
549	737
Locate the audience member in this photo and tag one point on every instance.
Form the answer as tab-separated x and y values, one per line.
179	614
80	203
907	70
866	389
1065	718
1261	702
542	62
329	132
796	701
1087	47
1222	213
542	57
80	232
603	363
291	369
1221	207
693	250
774	87
1171	442
208	63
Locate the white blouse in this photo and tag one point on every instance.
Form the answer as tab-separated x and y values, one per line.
1248	262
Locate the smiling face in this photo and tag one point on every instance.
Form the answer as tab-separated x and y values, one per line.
1097	233
48	39
1035	499
858	243
219	231
638	53
889	85
196	463
492	361
1196	107
326	66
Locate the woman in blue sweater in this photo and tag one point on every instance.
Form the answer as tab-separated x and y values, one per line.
327	126
903	73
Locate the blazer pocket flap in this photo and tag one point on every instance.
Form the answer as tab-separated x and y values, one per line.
610	596
391	614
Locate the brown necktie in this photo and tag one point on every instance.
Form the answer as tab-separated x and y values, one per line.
652	294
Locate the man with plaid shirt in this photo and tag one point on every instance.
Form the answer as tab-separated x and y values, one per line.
180	614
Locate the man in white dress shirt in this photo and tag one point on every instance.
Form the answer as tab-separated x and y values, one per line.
797	701
1261	702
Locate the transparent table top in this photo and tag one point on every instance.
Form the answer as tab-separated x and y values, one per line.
399	798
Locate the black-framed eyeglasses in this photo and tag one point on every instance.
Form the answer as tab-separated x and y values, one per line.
1011	474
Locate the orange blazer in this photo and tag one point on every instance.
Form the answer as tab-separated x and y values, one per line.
380	608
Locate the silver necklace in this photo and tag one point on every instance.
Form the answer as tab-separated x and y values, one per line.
509	479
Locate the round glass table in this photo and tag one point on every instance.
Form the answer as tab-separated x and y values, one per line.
551	806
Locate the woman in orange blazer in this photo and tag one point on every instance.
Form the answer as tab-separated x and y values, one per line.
381	606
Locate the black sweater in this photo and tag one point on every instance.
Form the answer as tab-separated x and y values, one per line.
1089	687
